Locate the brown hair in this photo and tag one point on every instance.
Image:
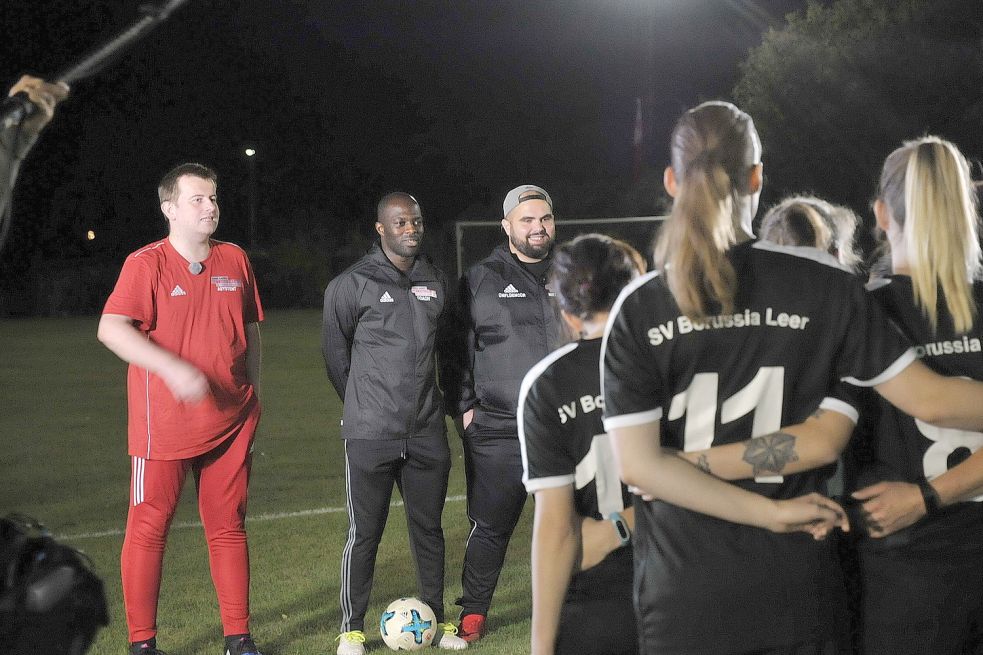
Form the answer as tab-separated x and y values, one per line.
590	271
810	221
168	184
714	147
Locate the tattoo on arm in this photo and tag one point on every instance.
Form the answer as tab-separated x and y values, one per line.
703	464
818	413
770	453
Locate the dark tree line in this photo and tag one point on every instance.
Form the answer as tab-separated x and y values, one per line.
842	84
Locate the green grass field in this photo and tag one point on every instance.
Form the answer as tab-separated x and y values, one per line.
63	461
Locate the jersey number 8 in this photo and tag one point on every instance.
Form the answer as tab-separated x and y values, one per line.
946	441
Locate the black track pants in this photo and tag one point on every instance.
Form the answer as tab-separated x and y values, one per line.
496	496
419	467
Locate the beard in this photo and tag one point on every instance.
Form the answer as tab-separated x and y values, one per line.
533	251
403	249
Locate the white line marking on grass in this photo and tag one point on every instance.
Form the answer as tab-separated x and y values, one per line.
274	516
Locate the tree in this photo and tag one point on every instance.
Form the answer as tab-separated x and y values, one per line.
843	84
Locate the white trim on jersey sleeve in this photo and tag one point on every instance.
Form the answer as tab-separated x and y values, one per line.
153	246
620	300
630	288
841	407
631	420
530	378
900	364
552	482
805	252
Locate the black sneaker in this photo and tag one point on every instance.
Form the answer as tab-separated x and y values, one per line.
145	648
245	646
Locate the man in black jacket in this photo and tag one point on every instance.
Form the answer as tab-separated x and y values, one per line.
381	318
504	324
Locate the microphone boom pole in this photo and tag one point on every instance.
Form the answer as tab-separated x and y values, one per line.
16	109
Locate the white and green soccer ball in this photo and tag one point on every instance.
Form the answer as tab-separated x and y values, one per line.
408	624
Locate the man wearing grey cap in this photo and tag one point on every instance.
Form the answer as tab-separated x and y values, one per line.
505	324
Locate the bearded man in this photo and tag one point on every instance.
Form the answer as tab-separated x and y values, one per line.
504	324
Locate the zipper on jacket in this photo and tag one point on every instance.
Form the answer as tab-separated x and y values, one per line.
416	353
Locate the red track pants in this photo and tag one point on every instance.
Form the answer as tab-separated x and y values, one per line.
221	478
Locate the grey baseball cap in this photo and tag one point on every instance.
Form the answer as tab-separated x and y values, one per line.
529	192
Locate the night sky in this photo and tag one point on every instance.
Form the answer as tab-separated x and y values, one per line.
455	102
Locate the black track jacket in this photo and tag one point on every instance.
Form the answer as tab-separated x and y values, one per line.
504	322
377	335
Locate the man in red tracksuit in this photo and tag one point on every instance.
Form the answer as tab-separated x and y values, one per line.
185	315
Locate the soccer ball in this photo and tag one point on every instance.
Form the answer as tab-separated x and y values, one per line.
408	624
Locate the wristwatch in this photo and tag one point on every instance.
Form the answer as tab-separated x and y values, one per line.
620	527
931	497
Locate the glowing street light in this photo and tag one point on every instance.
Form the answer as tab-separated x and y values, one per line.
251	160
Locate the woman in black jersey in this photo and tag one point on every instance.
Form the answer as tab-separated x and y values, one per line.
800	221
732	339
581	562
808	221
581	558
923	499
581	553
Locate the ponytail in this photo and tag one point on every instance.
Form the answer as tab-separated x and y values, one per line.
939	218
714	147
693	243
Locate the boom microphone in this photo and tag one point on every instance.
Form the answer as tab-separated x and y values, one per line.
15	109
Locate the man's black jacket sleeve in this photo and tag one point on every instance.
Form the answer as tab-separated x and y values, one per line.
338	330
456	353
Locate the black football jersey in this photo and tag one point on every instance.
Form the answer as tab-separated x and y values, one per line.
897	446
561	431
800	324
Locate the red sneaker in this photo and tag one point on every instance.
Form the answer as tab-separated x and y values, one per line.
471	628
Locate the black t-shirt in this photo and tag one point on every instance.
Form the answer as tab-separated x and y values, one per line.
891	445
799	327
561	431
563	443
539	270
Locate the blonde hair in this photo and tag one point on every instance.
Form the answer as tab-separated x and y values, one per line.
809	221
928	190
713	147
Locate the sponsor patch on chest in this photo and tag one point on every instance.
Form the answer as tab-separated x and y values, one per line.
423	292
511	292
226	283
